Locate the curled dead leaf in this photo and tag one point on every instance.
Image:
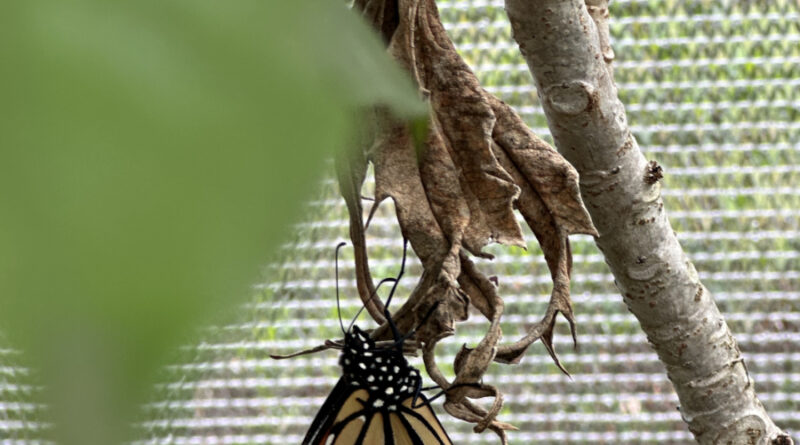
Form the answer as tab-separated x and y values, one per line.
458	194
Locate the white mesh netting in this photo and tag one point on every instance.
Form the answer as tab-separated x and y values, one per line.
712	90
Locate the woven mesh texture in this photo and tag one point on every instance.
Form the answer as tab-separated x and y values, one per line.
712	90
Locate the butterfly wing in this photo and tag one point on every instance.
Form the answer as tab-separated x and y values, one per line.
324	421
343	420
415	423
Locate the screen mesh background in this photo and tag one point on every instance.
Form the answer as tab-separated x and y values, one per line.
712	91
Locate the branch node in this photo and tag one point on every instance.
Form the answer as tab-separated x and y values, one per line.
653	173
571	97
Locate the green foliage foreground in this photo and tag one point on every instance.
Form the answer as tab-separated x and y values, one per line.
152	154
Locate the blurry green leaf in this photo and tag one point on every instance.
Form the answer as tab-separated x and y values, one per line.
360	65
153	153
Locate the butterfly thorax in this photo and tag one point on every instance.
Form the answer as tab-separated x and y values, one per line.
382	371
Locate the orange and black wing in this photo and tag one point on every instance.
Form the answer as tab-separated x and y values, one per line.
344	420
324	421
417	425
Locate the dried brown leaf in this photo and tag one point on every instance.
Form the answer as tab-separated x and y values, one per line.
397	176
351	168
381	14
464	119
550	203
440	178
313	350
550	175
457	195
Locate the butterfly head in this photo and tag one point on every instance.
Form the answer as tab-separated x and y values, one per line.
357	340
359	353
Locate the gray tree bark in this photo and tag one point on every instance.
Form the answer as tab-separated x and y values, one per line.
567	49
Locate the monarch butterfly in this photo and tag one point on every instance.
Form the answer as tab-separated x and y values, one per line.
378	400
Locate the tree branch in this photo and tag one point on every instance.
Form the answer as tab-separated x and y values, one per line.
569	57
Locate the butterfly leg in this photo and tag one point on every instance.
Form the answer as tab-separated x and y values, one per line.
443	392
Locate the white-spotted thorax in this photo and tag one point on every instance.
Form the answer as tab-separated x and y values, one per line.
382	371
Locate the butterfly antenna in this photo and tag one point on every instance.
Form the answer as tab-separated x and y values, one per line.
395	331
338	304
397	279
386	313
375	292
